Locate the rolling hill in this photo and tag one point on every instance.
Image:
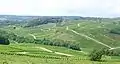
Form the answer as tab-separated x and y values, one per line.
85	34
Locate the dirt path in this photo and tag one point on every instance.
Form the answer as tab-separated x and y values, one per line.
83	52
91	39
63	54
59	53
114	48
44	49
33	36
47	50
111	48
22	52
67	28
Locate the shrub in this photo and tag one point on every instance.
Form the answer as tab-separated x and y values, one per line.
115	30
4	41
96	55
112	52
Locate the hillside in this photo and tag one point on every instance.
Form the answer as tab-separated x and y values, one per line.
52	43
95	30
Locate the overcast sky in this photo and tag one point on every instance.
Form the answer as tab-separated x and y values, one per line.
102	8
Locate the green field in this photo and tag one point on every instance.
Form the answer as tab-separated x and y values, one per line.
13	54
89	35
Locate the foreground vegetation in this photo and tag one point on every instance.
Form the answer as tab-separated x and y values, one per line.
13	54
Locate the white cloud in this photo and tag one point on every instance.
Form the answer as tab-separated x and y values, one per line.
106	8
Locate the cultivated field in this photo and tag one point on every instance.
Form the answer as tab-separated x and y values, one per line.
89	35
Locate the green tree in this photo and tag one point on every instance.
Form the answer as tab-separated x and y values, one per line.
96	54
4	41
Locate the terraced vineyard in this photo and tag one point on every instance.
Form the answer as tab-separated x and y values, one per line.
97	31
32	54
89	35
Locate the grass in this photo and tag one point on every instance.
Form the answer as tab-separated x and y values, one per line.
99	31
38	56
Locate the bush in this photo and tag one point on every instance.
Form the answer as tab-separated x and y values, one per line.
112	52
96	55
115	30
4	41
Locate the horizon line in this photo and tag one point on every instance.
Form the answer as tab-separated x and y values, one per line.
58	15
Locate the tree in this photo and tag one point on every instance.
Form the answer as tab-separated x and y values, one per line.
96	54
14	27
4	41
43	20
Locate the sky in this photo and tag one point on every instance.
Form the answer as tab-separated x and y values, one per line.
91	8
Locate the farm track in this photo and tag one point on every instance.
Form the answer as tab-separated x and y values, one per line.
83	35
33	36
59	53
67	28
50	50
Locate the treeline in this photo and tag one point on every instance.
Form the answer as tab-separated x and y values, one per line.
43	20
45	41
14	37
61	43
8	22
115	30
